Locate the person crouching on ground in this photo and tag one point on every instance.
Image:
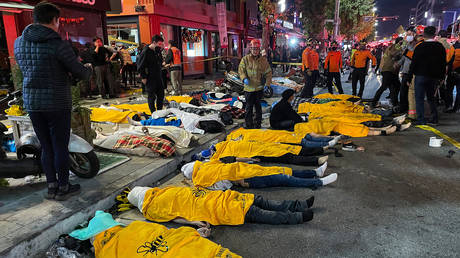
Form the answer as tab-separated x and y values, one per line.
283	116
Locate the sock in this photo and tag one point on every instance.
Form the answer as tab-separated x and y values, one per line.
334	141
329	179
320	170
310	201
307	215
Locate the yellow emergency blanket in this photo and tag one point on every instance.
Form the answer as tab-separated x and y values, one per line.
333	106
179	99
15	110
355	118
264	135
440	134
141	108
335	96
109	115
249	149
196	204
208	173
325	127
144	239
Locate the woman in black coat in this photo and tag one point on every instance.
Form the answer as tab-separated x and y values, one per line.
283	116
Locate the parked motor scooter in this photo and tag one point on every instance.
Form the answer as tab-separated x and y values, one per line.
83	160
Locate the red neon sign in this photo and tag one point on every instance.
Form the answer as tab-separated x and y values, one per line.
88	2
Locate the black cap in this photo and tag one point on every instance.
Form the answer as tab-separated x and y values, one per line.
430	31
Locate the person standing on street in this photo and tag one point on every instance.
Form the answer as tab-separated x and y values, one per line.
454	68
126	67
47	96
359	63
149	66
378	51
173	59
333	65
405	62
255	72
306	91
429	66
390	73
313	63
101	57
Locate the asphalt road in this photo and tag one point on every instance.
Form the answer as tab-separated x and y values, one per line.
399	198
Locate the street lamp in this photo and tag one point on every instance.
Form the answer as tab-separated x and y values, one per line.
453	21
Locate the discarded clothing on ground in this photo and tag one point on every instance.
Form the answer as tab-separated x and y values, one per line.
161	146
170	121
189	120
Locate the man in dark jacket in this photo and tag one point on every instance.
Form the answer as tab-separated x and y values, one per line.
46	61
101	58
429	67
149	67
283	116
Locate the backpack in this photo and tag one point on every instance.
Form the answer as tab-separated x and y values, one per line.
211	126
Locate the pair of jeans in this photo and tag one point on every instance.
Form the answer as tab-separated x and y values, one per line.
404	93
104	77
425	85
253	100
359	74
155	93
301	178
53	132
290	158
314	142
389	81
275	212
338	82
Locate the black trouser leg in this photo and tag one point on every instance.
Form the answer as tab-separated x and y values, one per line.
151	96
430	89
448	95
394	89
338	82
292	159
354	81
386	80
330	76
286	205
311	151
253	101
160	93
258	215
362	83
404	94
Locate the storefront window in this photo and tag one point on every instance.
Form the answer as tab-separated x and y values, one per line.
193	50
4	61
126	34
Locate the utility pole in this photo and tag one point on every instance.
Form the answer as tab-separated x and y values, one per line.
337	19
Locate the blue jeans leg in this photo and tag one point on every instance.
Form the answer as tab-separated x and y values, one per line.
312	144
420	98
304	173
282	180
318	139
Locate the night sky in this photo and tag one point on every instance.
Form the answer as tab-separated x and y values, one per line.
392	8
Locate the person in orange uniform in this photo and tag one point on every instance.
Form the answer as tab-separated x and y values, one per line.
306	92
173	61
333	65
359	62
453	58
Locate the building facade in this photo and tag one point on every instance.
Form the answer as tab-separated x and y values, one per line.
193	24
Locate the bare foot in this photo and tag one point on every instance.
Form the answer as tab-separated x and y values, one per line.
391	130
400	119
405	126
322	160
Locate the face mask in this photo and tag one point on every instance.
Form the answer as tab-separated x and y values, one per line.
410	38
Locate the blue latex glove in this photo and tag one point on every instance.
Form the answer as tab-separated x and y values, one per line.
246	81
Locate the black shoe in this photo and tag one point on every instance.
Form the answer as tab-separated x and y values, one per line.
66	192
310	201
307	215
433	123
51	193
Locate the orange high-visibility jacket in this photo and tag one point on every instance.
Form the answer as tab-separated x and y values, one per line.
313	60
176	56
359	59
305	59
333	62
454	56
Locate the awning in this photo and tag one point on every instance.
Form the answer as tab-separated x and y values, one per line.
15	7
